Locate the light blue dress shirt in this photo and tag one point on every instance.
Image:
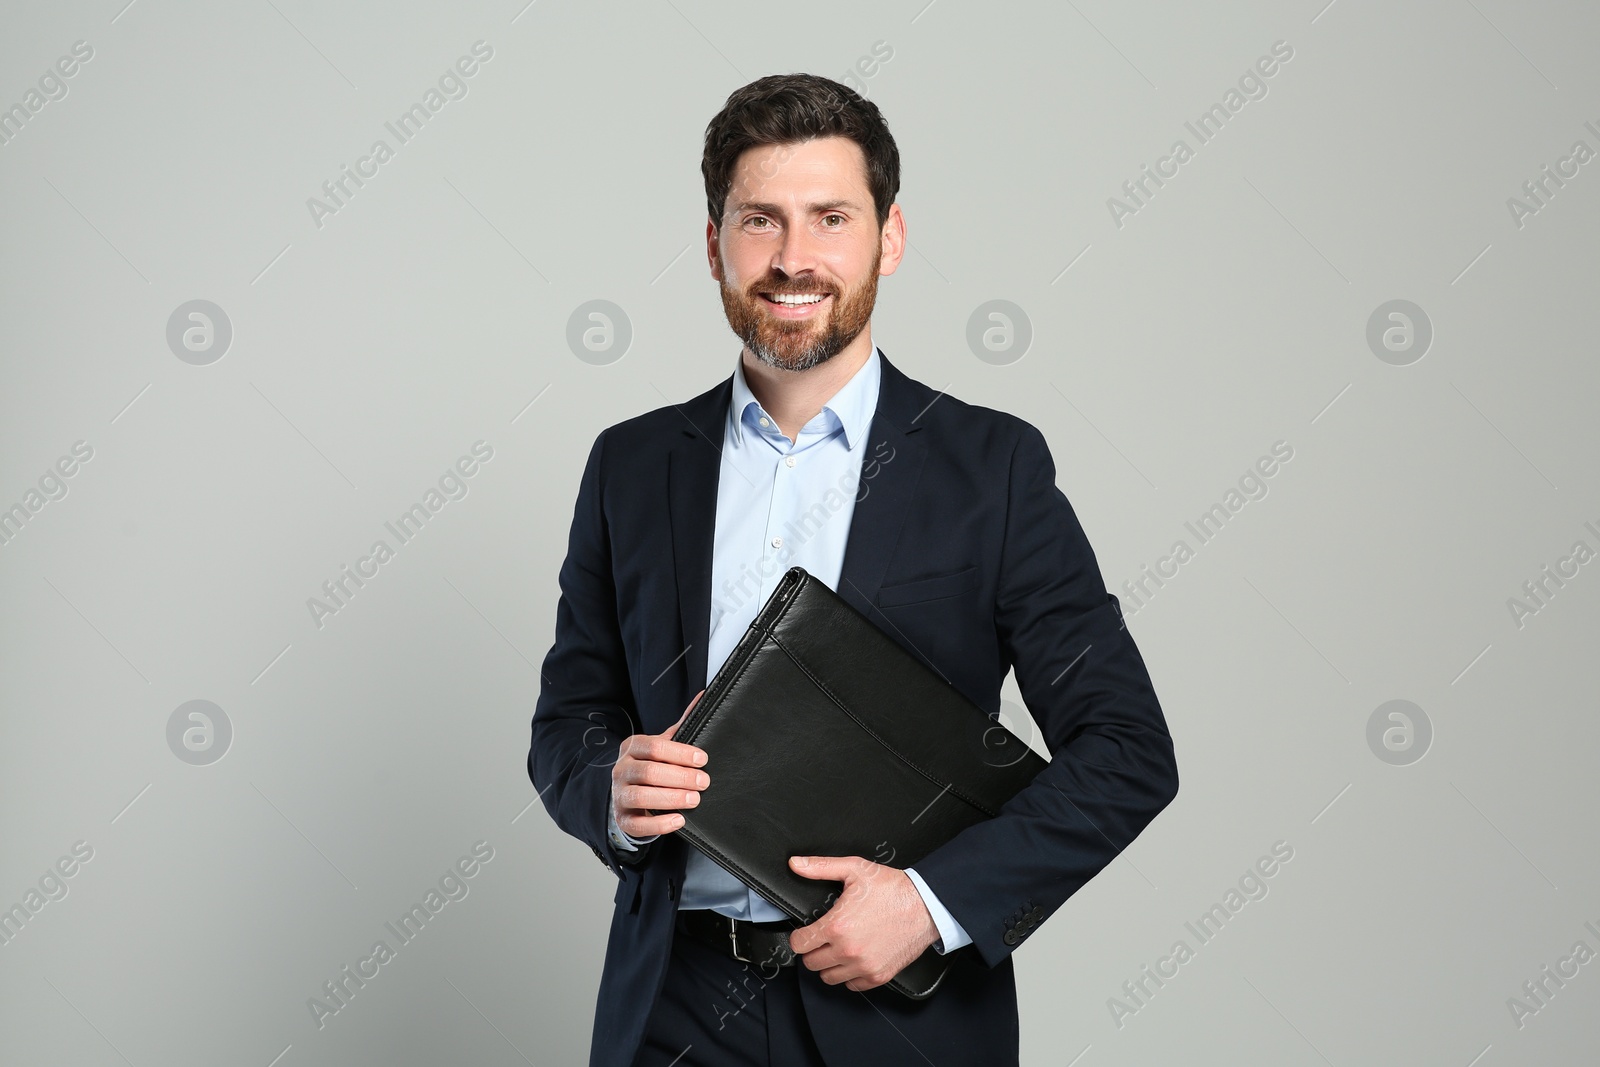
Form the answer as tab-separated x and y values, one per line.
781	504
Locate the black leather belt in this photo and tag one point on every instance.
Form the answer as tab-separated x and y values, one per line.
766	944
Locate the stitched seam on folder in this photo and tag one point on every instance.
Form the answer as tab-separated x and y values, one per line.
692	730
703	710
901	756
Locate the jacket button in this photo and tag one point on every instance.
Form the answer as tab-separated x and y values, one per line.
1011	937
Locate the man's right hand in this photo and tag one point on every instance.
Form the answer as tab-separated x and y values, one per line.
654	771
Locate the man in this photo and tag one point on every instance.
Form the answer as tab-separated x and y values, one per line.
938	520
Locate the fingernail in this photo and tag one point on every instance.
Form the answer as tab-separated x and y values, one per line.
699	759
800	861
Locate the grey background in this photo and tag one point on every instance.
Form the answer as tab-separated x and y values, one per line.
431	312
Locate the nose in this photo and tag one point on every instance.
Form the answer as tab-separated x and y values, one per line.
797	254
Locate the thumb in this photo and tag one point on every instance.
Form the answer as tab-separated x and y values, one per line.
835	868
673	729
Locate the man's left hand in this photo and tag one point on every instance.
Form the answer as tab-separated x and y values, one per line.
876	927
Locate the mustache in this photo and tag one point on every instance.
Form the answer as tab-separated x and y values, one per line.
780	288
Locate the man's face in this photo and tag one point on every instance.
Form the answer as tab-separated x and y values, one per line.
799	251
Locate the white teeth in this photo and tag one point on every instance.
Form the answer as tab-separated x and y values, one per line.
794	301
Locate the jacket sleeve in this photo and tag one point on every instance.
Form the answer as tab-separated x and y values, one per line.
1112	767
585	705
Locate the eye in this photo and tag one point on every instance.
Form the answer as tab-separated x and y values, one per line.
826	218
754	219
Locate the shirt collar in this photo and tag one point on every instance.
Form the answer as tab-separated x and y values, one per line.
852	407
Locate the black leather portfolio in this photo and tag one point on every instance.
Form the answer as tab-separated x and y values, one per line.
825	737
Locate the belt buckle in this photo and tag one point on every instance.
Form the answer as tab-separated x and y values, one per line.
733	940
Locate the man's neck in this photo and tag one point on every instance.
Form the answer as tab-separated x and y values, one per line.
794	397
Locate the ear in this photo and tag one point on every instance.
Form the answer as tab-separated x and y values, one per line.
894	241
712	237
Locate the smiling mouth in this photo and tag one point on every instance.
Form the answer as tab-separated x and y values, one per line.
794	300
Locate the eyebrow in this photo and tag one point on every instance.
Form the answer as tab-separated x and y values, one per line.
774	209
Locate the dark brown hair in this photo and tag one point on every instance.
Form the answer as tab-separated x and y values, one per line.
783	109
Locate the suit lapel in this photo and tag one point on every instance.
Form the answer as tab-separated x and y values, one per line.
890	470
692	471
891	466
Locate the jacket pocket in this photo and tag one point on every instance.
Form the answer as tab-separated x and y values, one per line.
934	588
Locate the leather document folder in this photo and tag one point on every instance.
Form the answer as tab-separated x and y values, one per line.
825	737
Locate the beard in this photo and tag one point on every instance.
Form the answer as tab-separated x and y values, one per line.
799	344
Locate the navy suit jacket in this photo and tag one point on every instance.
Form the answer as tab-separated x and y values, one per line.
962	549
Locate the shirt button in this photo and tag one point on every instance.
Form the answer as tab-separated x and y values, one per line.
764	422
788	460
777	542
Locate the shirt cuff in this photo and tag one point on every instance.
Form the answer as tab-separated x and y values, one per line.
951	934
620	838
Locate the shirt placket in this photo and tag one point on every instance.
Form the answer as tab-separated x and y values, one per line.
779	509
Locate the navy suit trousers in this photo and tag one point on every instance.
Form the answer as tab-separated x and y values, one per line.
716	1011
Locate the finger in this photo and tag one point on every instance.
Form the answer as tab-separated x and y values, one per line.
631	798
674	727
807	938
649	825
840	974
822	958
654	748
667	775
